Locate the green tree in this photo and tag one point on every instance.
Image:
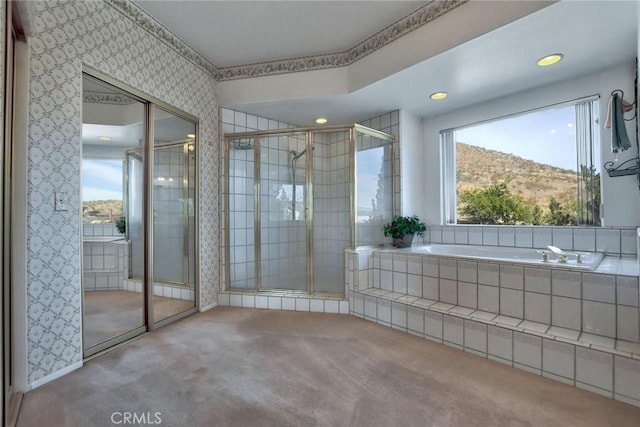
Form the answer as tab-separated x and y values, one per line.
494	204
536	215
559	215
589	190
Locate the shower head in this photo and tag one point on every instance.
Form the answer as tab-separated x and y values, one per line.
297	155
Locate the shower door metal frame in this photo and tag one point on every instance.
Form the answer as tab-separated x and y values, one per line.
392	140
255	136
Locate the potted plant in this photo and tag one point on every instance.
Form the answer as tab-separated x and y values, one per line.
403	228
121	225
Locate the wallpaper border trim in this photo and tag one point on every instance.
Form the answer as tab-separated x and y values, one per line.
403	26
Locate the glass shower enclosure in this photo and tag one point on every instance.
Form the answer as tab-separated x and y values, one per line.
296	198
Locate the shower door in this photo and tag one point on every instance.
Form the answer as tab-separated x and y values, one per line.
292	204
173	230
331	209
283	212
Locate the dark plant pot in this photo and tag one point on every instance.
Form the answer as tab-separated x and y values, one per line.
405	242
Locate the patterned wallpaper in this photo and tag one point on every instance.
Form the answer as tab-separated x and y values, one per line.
65	36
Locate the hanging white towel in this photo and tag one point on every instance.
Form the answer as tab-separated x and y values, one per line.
626	107
619	137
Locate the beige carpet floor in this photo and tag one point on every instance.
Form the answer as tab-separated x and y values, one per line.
245	367
108	314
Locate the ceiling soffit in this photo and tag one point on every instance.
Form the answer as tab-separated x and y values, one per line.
421	16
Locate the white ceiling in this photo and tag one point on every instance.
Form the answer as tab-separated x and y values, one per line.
591	34
232	33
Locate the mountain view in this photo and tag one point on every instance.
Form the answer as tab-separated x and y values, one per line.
101	211
535	182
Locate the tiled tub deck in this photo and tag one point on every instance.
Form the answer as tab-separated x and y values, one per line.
580	328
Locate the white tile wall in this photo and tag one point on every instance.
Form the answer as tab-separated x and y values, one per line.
511	277
598	287
537	307
537	280
475	336
595	369
489	298
453	331
566	283
599	318
566	312
527	350
500	343
627	379
433	325
448	291
512	302
628	328
415	320
558	358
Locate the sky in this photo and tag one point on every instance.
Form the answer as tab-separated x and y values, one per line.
545	136
101	179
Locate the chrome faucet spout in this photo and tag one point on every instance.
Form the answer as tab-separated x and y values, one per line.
559	253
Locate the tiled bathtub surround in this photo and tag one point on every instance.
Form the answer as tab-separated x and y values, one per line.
612	241
100	230
505	312
105	264
161	289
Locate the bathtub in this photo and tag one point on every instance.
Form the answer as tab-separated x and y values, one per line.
590	260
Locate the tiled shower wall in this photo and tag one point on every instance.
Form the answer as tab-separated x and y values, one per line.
283	238
241	199
168	226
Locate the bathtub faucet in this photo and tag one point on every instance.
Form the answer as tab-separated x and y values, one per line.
559	253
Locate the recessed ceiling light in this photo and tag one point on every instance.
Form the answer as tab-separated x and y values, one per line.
438	95
550	60
104	138
321	120
191	135
570	125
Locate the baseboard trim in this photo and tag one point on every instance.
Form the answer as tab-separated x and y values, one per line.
55	375
208	307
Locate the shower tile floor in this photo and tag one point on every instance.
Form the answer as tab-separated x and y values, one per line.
108	314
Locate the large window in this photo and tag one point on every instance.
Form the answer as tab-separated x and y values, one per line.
535	168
